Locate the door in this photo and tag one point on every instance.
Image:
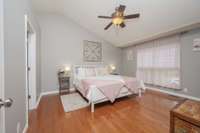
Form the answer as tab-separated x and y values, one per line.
3	102
28	69
31	65
2	122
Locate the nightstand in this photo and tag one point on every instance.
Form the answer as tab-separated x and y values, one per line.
185	118
64	83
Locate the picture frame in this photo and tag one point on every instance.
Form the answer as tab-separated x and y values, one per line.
196	44
92	51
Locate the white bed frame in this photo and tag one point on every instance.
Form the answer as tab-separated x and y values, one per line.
93	102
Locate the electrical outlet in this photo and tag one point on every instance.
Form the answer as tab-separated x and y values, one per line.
185	90
18	127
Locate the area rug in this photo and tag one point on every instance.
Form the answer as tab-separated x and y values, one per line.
72	102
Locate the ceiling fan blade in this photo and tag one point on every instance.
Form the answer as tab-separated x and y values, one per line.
106	17
122	25
132	16
121	8
108	26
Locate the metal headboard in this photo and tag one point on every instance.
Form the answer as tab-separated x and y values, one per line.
75	68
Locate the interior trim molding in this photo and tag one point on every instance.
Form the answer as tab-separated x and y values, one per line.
25	128
175	94
48	93
38	101
2	65
44	94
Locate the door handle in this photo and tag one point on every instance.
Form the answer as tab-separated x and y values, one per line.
7	103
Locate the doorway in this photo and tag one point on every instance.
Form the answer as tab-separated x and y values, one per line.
30	65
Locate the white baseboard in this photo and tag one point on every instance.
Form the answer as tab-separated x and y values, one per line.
44	94
48	93
38	101
175	94
25	128
55	92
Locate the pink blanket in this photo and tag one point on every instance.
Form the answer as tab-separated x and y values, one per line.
132	84
111	88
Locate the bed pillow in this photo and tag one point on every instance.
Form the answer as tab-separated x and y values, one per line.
81	72
90	72
101	71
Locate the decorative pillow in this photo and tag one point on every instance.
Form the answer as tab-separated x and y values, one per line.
81	72
89	72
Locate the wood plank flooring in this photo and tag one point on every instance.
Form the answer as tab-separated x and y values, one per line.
148	114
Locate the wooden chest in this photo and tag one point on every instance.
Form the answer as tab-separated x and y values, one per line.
185	117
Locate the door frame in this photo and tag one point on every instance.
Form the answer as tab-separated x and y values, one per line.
33	69
2	87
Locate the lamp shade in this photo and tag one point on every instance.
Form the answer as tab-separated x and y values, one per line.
67	69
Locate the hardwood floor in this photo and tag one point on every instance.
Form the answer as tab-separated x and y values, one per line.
148	114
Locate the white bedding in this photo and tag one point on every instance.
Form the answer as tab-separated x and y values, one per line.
94	94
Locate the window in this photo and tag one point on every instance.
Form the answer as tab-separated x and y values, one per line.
158	62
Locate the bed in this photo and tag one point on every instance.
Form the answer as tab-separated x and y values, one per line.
96	84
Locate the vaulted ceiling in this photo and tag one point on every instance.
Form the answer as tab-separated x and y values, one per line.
157	16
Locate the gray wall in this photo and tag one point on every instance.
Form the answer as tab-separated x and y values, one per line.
62	43
15	81
129	67
190	64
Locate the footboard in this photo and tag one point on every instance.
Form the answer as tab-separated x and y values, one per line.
94	101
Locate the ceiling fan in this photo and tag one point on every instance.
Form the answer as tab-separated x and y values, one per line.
118	17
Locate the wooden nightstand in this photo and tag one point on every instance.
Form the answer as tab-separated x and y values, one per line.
64	83
185	117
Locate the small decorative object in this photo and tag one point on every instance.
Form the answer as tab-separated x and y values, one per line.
92	51
196	44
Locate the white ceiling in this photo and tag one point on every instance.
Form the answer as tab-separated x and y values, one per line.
157	16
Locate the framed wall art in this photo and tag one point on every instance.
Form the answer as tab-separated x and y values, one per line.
196	44
92	51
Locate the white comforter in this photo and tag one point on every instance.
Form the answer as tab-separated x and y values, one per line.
94	94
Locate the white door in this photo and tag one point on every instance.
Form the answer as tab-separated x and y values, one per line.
2	122
31	65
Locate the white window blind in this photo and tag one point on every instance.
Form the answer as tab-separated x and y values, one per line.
158	62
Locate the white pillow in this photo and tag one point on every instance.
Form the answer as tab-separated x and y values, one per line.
81	72
90	72
101	71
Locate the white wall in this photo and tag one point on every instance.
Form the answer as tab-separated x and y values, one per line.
190	64
14	55
62	43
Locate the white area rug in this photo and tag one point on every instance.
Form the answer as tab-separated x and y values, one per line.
72	102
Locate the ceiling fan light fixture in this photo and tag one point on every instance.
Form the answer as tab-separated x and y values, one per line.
117	20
